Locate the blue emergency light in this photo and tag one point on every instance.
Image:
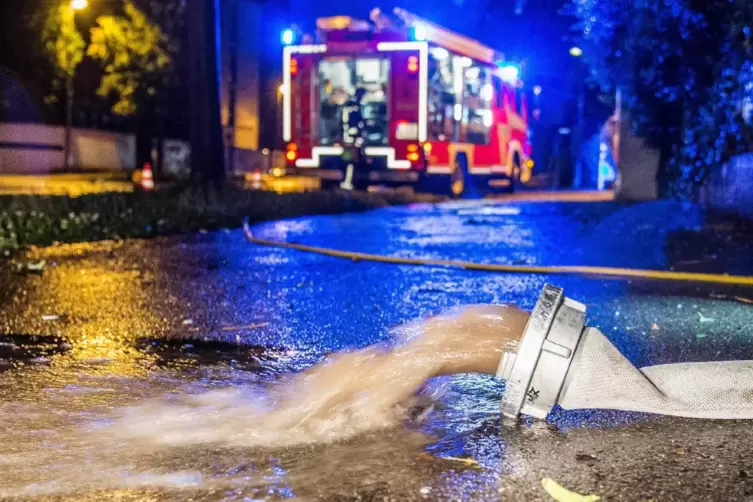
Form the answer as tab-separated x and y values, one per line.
418	33
287	37
510	72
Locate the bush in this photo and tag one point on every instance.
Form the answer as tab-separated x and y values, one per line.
27	220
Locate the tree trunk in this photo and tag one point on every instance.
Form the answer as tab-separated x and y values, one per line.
207	156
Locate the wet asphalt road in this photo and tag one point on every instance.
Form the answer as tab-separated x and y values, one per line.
181	304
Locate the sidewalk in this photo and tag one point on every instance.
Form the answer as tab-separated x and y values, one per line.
73	184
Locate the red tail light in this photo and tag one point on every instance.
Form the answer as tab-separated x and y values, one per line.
413	154
412	64
292	154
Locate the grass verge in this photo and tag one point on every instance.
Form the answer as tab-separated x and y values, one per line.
30	220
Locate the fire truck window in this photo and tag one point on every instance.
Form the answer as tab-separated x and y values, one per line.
441	96
477	97
353	101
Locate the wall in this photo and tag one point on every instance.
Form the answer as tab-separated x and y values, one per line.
239	22
38	149
638	166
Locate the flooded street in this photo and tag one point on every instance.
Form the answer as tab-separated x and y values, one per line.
165	369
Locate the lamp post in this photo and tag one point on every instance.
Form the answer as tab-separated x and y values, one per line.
76	5
577	142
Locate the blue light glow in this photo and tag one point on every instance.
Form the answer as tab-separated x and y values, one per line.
287	37
418	33
509	72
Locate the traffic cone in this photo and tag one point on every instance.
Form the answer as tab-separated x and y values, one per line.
256	180
147	181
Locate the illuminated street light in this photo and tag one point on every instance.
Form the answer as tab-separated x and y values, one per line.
536	90
282	89
576	52
76	5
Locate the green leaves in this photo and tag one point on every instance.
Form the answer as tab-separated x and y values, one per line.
131	50
62	41
682	66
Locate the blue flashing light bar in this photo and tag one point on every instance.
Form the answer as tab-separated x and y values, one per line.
510	72
419	33
287	37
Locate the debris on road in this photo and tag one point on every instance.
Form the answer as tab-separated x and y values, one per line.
249	326
585	457
562	494
704	319
467	461
31	267
98	360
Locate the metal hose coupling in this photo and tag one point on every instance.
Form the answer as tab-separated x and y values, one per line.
535	374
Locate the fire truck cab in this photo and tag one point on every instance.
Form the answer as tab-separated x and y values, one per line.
399	100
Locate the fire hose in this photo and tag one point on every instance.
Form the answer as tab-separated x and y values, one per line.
560	361
609	272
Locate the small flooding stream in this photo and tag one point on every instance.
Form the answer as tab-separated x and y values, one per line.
215	422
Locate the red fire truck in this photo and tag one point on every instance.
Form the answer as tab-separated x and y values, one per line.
399	100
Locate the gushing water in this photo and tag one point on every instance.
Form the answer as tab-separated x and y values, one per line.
165	429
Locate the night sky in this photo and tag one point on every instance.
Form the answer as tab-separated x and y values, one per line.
536	37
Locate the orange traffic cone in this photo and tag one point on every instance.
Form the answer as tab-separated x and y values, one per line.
147	181
256	180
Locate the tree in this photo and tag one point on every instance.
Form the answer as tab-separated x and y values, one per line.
133	53
63	43
677	64
207	152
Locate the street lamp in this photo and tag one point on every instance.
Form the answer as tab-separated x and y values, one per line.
76	5
577	138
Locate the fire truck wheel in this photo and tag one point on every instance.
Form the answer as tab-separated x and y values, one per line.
516	169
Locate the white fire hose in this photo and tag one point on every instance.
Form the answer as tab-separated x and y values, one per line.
560	361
